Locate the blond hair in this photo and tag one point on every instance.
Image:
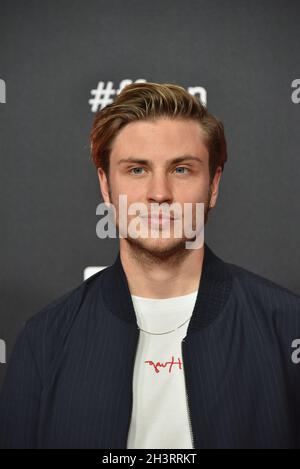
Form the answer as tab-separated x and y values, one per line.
150	101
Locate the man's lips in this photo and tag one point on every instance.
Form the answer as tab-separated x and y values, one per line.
158	217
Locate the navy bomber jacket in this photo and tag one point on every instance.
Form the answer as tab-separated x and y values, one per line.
69	378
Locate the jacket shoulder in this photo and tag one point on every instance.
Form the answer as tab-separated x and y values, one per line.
262	292
48	329
61	310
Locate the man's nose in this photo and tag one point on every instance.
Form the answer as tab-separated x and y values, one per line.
159	189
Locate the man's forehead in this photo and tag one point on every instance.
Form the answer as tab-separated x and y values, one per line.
142	146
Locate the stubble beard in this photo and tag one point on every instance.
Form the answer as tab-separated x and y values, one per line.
160	250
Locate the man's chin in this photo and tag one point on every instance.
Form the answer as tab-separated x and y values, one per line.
160	248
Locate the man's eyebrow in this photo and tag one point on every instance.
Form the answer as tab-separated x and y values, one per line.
178	159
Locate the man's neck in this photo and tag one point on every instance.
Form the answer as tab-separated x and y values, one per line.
174	276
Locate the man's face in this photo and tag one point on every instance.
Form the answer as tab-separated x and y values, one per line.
154	177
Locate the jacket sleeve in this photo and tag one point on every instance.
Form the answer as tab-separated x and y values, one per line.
20	397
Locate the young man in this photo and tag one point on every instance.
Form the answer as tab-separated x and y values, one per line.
169	347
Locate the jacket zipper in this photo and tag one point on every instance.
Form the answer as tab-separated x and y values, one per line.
187	395
188	401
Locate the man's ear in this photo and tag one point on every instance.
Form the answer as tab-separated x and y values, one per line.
215	187
104	186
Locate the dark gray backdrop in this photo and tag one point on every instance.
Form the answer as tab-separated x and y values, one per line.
52	53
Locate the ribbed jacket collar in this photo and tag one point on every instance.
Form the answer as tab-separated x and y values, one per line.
213	292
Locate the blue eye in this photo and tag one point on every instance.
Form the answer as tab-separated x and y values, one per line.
182	167
132	169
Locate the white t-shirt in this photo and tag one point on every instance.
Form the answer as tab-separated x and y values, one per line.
160	411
